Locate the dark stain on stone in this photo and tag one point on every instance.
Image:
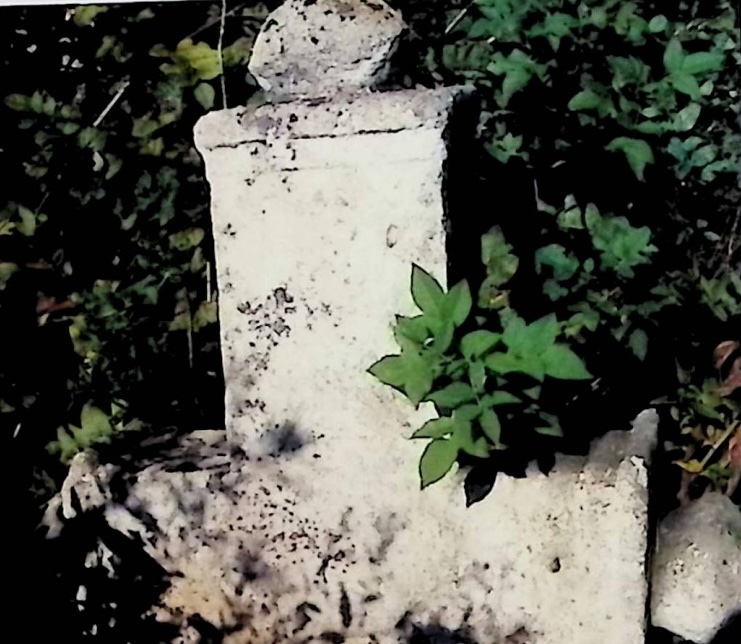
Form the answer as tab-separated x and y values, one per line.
345	608
282	296
556	565
303	617
333	638
285	439
209	634
413	633
520	636
250	567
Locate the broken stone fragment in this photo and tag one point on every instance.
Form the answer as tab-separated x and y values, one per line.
697	569
323	47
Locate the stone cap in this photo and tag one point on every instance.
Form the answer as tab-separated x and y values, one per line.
347	115
312	48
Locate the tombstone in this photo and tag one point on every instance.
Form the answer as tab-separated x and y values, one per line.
307	523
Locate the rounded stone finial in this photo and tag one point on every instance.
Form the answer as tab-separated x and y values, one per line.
317	48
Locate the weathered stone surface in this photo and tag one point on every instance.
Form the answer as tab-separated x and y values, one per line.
343	196
322	47
304	522
542	560
697	568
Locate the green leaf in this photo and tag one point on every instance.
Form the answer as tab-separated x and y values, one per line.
637	152
437	460
427	293
622	246
414	329
476	343
687	84
523	339
443	333
562	363
563	266
390	370
703	62
686	118
27	224
203	62
463	437
477	376
92	138
518	69
205	95
68	128
638	343
144	127
452	396
187	239
704	155
419	379
435	428
95	421
657	24
673	56
514	81
496	255
458	303
550	430
85	15
17	102
65	446
466	413
206	314
500	398
491	426
503	363
542	333
585	100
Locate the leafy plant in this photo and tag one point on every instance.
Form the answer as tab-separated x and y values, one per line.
108	302
483	384
609	155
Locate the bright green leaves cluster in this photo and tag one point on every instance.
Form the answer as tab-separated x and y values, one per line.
95	427
424	339
517	69
647	97
143	304
637	152
470	376
191	62
622	247
501	265
623	116
619	250
685	70
532	349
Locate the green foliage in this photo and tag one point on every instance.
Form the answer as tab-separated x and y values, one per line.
483	384
106	257
619	121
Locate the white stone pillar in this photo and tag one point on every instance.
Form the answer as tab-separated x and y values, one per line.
321	199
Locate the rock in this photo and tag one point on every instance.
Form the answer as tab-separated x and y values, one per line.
696	583
322	47
641	441
542	560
